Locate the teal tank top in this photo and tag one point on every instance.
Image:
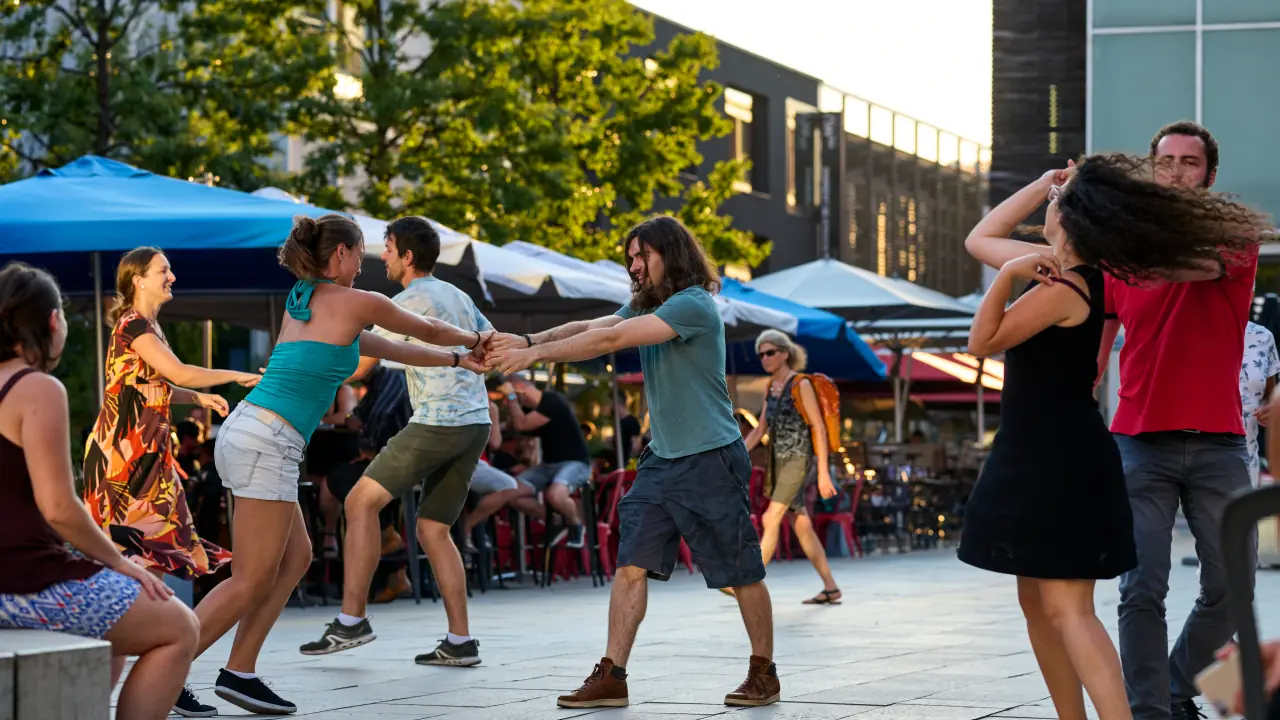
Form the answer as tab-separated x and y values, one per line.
303	376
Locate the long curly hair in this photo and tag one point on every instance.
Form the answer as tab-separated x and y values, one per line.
1120	220
684	261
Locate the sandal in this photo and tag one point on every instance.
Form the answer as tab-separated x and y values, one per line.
826	597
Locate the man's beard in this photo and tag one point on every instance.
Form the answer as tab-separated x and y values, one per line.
644	295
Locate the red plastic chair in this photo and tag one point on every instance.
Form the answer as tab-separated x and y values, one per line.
845	519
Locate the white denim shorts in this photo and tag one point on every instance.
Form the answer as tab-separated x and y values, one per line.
259	455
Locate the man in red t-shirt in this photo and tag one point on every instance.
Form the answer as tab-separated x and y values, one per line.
1180	433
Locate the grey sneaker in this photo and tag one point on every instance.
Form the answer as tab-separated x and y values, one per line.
465	655
338	637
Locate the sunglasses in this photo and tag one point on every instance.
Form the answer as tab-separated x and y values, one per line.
769	353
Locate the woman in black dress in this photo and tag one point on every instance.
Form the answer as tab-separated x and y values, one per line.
1050	506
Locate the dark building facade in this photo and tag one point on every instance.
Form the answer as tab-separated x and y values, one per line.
836	176
1038	102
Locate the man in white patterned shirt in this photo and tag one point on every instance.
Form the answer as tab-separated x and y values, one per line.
1257	379
440	448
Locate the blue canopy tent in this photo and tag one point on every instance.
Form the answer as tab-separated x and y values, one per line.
80	218
834	349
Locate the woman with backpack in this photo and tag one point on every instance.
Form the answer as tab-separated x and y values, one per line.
796	453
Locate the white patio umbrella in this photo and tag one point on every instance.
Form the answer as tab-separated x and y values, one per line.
856	294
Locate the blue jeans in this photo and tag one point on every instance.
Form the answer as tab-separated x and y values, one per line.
1201	471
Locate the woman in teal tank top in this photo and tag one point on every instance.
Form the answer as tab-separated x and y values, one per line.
261	445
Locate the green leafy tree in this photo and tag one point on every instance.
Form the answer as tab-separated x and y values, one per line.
535	120
176	88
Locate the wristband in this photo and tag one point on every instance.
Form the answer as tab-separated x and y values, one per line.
477	332
527	339
456	357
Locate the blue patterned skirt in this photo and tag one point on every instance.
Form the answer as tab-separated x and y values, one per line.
89	607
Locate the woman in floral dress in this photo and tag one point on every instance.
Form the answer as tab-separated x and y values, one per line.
132	485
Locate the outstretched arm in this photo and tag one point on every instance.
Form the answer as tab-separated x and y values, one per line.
155	353
632	332
509	341
374	345
376	309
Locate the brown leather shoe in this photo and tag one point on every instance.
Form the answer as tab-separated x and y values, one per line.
760	688
601	689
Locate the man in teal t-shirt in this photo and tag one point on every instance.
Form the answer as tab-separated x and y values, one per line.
692	481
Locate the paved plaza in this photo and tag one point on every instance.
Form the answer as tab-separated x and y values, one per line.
919	637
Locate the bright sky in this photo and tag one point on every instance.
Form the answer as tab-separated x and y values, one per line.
930	59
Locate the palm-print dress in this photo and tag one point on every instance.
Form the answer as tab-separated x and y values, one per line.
131	482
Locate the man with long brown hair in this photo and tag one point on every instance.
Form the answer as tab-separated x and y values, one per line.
692	480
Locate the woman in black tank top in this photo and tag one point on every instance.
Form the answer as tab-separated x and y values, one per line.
1053	462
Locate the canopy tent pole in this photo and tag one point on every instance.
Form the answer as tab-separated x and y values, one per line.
97	327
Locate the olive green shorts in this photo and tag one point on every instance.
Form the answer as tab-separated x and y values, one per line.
786	481
443	459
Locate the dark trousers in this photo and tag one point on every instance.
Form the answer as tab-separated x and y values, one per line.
1200	471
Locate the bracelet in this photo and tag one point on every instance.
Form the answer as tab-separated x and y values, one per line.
456	358
527	339
477	332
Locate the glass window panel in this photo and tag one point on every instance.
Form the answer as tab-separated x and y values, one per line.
881	125
969	155
904	133
1134	13
984	160
856	116
1141	83
830	99
1241	11
1241	108
737	104
927	142
948	148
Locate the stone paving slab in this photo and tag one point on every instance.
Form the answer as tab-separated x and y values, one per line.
918	637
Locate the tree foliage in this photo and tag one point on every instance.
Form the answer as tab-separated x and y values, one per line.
536	120
176	88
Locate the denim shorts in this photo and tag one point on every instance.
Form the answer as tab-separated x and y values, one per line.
88	608
701	498
573	474
259	455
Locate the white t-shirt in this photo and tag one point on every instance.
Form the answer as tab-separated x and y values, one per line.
1261	361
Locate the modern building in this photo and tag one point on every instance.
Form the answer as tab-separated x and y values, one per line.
1071	77
1038	93
1213	61
834	175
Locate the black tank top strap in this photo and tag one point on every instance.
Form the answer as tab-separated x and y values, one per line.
13	380
1075	287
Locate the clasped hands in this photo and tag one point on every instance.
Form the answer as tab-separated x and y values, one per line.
497	351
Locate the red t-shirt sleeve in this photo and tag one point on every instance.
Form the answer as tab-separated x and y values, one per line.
1109	296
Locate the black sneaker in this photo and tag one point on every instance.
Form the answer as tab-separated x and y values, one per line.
338	637
464	655
252	695
577	536
1185	710
189	705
